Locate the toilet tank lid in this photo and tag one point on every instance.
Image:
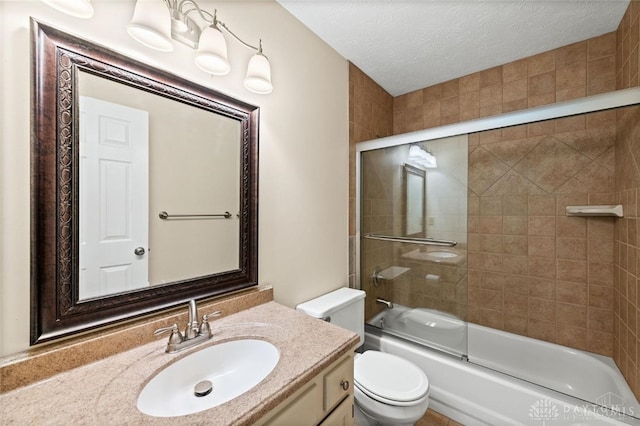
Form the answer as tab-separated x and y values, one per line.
324	305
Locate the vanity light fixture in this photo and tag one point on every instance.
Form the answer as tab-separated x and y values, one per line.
420	157
156	22
76	8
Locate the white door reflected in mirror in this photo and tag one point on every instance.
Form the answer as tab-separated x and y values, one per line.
114	198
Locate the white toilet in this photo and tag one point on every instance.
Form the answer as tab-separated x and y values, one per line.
388	390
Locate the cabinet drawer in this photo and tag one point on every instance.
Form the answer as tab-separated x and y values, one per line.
338	382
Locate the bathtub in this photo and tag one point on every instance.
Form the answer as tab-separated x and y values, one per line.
538	383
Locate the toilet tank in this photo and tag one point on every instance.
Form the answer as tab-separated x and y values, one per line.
343	307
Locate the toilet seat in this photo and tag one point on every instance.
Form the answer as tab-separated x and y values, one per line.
390	379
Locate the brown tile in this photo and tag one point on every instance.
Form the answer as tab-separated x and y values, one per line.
542	226
543	330
542	205
542	267
600	320
601	297
542	84
516	323
572	270
491	224
571	76
571	292
514	71
491	95
490	77
516	304
514	90
491	206
469	83
574	337
490	243
515	264
541	309
572	315
575	53
604	45
542	246
433	418
450	89
542	63
515	244
600	343
572	248
571	227
601	273
542	288
601	250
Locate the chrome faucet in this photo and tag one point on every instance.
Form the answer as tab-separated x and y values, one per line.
194	333
385	302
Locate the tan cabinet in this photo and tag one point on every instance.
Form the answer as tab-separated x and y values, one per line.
326	400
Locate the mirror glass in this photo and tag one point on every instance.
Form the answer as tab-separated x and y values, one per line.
144	188
414	179
142	155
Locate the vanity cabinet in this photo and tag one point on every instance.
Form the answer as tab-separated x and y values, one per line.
325	400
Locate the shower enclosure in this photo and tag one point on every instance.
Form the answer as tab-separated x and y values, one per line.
466	224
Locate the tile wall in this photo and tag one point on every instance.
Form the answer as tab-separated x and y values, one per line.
595	303
370	117
626	345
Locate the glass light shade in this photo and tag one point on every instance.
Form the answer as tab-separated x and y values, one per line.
422	158
76	8
212	52
151	25
258	78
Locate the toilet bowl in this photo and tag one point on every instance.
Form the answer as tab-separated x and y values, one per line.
388	389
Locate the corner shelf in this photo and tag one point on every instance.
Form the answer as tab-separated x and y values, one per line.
604	210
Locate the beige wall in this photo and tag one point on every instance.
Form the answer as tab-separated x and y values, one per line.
194	164
303	223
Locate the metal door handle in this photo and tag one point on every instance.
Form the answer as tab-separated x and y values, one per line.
139	251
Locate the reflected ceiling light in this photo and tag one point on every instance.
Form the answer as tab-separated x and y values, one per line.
420	157
77	8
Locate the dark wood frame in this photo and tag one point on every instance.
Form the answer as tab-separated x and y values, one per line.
56	310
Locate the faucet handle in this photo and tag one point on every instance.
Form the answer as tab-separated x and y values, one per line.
175	336
205	328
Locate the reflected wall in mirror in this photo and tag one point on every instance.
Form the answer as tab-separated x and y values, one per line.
118	146
414	202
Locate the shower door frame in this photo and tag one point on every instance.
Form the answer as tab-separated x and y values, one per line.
600	102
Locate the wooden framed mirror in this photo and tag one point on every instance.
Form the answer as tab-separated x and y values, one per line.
63	66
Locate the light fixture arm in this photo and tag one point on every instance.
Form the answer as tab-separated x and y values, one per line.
238	39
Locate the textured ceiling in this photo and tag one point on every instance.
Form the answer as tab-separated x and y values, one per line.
405	45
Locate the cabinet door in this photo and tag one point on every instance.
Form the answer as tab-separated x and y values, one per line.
304	409
342	415
338	383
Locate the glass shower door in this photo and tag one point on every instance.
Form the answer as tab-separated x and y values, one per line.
413	241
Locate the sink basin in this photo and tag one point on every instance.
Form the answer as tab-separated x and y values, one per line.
229	369
442	254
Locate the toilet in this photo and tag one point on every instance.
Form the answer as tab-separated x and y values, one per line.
388	389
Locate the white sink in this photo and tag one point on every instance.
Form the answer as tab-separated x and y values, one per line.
232	367
442	254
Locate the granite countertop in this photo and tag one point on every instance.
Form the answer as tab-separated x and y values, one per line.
105	392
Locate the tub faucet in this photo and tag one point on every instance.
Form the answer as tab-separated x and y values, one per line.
385	302
194	333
